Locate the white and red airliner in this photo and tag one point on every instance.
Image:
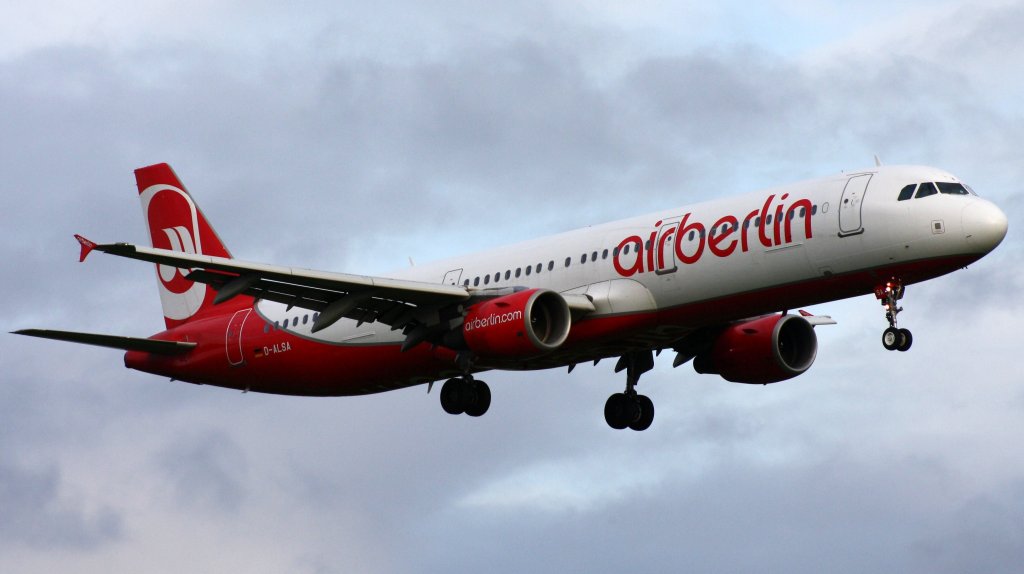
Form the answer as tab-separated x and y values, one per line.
714	282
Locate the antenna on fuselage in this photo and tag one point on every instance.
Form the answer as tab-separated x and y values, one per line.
878	162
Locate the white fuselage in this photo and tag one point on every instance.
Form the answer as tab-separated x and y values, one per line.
751	244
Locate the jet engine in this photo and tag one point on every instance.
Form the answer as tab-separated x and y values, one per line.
521	325
761	351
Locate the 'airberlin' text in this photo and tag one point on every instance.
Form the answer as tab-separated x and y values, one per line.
686	240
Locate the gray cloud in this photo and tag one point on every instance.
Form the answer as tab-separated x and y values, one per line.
206	471
38	515
319	144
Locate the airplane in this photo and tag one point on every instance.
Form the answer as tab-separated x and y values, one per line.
714	282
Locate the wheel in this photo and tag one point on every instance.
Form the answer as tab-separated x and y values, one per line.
617	410
906	340
646	406
453	395
481	401
891	338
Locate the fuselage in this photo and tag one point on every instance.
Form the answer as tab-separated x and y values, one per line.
652	279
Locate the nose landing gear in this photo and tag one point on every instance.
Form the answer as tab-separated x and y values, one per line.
893	338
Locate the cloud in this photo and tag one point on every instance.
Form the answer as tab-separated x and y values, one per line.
37	514
352	138
206	471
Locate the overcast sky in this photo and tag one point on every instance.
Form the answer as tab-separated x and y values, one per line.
351	136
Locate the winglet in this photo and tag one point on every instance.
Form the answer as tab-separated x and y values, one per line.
87	247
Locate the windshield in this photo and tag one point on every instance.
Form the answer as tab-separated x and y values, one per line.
929	188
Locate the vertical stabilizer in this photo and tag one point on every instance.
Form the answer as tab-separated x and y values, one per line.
175	222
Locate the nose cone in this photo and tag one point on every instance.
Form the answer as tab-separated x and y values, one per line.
984	225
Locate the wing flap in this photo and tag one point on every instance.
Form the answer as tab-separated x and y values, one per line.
113	341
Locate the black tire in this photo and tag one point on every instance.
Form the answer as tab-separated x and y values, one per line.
617	410
906	340
646	406
891	338
482	400
453	396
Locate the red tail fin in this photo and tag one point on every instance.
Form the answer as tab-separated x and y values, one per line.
175	222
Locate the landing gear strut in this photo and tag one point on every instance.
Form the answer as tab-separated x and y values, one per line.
629	409
893	338
465	395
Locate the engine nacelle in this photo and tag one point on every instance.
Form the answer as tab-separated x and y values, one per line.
765	350
521	325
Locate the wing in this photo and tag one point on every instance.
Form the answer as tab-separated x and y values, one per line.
394	302
421	309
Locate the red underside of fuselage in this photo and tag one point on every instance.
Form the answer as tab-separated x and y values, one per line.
282	363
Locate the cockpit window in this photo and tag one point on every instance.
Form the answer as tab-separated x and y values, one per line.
925	190
952	188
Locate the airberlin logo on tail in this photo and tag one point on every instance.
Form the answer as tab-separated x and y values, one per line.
173	222
181	240
688	240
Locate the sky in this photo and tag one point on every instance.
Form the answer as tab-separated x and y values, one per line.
352	137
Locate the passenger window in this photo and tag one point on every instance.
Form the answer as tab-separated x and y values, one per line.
583	258
487	279
593	256
465	283
769	220
757	221
925	190
539	267
625	250
814	209
519	271
497	276
907	192
647	245
476	281
529	269
266	327
615	252
305	319
551	265
605	254
951	188
507	275
692	235
567	260
295	321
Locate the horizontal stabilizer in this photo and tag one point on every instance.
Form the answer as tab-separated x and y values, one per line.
126	343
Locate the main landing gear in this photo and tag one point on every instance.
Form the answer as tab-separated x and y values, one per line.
893	338
629	409
465	395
